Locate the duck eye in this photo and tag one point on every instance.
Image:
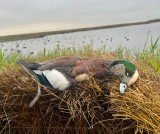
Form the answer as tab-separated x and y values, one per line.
128	74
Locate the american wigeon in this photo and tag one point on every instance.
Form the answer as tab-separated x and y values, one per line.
63	73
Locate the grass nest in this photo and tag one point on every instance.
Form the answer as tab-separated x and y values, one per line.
93	106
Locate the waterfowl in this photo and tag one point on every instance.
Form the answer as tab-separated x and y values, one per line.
63	73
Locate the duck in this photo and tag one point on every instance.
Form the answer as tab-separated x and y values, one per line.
64	72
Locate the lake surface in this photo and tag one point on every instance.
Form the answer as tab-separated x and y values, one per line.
131	37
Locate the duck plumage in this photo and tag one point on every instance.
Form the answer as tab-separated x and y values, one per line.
64	72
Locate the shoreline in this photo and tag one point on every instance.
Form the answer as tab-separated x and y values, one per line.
16	37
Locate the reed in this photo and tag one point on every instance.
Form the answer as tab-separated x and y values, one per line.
151	55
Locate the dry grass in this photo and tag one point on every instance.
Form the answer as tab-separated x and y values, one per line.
142	102
88	108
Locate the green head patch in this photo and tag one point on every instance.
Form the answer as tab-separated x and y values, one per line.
129	67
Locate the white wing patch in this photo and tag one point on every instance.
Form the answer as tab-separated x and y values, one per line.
56	79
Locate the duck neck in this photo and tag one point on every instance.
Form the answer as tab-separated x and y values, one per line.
108	64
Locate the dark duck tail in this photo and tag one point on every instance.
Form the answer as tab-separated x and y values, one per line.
32	69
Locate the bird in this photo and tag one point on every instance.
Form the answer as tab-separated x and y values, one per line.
65	72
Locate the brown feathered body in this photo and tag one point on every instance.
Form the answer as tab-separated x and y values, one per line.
74	66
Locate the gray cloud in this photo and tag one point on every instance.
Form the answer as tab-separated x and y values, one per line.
80	12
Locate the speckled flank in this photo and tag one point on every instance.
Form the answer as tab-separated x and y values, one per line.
57	80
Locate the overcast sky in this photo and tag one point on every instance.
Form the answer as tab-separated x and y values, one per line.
25	16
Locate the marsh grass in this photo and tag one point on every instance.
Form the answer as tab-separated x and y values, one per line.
91	107
8	60
151	55
142	103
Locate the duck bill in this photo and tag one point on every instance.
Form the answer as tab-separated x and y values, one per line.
122	88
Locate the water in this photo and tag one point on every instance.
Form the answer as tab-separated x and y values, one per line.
132	37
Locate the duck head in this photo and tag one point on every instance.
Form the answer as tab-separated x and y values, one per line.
126	72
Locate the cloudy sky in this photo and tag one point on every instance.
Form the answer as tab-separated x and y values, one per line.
26	16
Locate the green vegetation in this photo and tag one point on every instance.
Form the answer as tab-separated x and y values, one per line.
150	55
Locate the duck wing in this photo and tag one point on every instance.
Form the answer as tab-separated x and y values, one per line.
56	78
94	67
60	63
30	65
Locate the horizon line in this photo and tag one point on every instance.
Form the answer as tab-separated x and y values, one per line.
14	37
